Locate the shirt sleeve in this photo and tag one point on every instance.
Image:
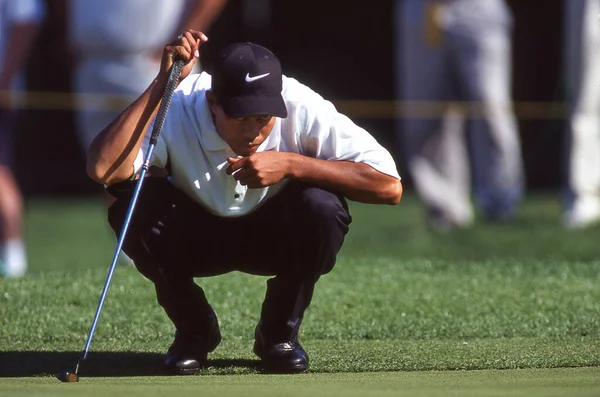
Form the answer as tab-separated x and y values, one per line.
330	135
19	11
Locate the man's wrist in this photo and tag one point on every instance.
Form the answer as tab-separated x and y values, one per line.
157	88
293	163
160	81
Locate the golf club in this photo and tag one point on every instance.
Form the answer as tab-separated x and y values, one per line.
67	376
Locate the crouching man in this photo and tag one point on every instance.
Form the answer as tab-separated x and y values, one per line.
259	168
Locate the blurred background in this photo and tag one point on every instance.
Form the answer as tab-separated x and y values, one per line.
342	50
523	74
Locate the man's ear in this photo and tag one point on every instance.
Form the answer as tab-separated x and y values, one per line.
212	101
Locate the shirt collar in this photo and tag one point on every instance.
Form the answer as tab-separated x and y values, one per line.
209	137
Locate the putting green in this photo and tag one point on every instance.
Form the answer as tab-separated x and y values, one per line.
579	382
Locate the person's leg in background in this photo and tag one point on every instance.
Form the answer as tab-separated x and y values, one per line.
432	144
13	258
20	21
582	66
483	48
104	88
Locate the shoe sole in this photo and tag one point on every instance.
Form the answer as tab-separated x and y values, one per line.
181	371
192	367
184	371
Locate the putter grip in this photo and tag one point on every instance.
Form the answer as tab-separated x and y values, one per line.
166	100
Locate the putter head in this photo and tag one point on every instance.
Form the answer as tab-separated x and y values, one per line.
66	376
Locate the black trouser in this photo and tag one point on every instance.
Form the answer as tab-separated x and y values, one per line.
294	236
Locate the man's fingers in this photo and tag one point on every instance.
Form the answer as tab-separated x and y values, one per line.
194	43
235	164
251	181
241	175
187	41
248	179
245	176
180	52
187	45
195	39
198	35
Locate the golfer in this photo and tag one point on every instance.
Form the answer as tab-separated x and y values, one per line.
259	167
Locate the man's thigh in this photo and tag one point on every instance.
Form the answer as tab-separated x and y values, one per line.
280	235
182	237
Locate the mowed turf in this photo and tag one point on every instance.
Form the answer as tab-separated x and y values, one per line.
580	382
496	297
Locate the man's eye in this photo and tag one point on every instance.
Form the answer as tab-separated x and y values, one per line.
262	117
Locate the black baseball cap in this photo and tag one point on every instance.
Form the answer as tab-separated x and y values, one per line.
246	79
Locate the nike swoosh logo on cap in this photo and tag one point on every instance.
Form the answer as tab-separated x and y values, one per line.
253	78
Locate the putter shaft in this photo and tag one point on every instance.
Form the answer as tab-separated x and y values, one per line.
160	118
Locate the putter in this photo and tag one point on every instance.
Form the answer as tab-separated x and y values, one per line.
67	376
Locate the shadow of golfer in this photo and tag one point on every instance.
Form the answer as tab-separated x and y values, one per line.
15	364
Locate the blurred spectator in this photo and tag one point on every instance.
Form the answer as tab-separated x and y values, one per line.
582	64
448	51
19	23
117	46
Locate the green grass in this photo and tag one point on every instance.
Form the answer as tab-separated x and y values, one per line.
495	297
73	235
580	382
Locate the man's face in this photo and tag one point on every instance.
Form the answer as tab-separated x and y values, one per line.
244	135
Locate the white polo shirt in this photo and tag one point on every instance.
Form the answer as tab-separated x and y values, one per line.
197	154
13	12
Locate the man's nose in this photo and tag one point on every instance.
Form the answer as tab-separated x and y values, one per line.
251	131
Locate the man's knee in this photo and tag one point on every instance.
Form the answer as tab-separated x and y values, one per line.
143	240
154	199
322	209
323	221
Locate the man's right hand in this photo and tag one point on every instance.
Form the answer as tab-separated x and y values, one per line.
187	48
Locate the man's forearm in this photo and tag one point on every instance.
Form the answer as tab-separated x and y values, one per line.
356	181
113	151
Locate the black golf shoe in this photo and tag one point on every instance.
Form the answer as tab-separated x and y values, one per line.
285	357
188	353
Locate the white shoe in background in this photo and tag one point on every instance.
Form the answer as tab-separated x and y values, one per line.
584	213
13	259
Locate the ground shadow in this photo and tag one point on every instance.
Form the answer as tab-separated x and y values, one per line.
18	364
